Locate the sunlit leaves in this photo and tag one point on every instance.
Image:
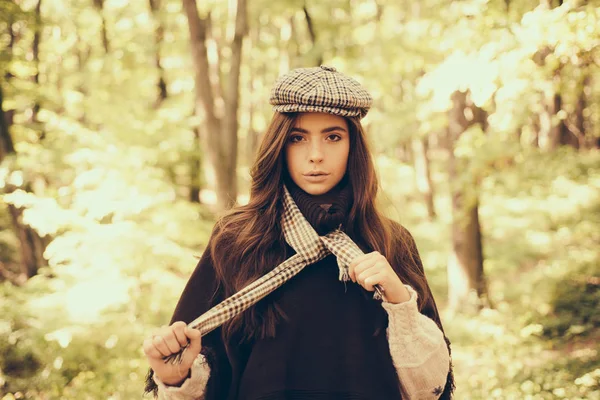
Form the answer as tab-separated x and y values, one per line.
109	175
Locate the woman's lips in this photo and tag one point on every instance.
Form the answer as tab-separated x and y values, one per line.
315	178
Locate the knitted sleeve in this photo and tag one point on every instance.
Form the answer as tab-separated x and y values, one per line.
424	320
193	388
418	349
201	293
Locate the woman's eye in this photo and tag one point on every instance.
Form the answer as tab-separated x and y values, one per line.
334	138
295	138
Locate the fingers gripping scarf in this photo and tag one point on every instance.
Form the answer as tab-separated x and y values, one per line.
309	247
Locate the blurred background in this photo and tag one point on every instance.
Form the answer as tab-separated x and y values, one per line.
128	127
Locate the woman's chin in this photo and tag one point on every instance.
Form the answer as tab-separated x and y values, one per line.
316	189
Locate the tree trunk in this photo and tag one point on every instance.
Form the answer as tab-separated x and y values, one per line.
316	53
100	7
422	173
232	100
159	33
294	46
214	45
552	133
58	76
6	143
566	136
582	125
258	73
219	134
551	130
403	153
285	36
10	45
83	54
534	123
252	134
30	243
36	59
195	168
467	288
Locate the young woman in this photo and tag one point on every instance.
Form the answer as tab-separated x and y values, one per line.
313	338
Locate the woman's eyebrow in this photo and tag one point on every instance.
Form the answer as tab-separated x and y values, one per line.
326	130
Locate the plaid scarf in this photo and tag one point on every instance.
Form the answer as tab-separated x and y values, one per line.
309	248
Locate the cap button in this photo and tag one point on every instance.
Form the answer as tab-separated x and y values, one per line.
330	69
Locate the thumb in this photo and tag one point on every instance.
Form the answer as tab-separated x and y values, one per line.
195	340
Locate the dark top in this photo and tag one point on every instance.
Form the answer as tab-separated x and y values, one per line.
327	348
333	344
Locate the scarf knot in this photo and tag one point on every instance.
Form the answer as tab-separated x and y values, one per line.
326	212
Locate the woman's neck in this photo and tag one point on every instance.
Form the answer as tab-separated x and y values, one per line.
327	211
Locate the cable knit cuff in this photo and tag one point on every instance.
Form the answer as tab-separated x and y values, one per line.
418	349
192	388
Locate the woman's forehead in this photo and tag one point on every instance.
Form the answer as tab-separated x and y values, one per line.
315	120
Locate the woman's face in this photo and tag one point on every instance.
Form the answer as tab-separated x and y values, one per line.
317	151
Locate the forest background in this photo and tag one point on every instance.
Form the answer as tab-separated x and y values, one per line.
127	127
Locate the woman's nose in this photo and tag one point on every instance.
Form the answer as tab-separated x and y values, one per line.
316	153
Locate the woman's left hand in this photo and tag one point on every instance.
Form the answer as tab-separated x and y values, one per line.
373	269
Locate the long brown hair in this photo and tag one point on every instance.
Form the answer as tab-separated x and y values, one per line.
248	241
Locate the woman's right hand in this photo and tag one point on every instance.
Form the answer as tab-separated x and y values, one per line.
166	341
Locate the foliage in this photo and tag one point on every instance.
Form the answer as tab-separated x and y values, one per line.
540	340
103	170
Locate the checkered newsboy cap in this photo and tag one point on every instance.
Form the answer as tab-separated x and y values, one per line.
320	89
